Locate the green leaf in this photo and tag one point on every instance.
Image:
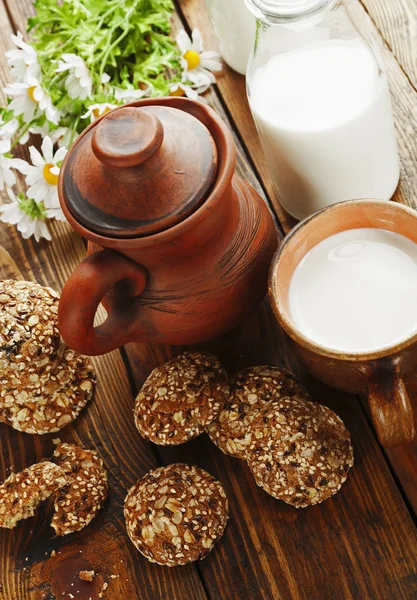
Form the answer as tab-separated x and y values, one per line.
127	39
34	209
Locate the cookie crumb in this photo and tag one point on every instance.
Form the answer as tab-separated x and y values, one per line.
86	575
53	553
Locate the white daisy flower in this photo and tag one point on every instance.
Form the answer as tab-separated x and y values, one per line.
24	138
55	213
27	215
181	89
197	65
63	136
79	82
23	60
97	110
8	129
42	177
7	164
128	94
29	98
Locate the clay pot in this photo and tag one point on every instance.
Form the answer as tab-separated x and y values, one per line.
179	247
379	374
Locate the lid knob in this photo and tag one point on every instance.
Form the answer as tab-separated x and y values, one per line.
127	137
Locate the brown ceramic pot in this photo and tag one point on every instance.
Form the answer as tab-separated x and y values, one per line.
380	375
179	247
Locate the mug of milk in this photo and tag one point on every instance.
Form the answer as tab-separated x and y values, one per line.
235	27
343	285
320	99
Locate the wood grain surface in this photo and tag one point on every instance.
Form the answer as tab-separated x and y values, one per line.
397	23
361	544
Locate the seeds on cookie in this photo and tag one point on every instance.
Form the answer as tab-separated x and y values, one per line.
299	451
43	384
180	398
174	515
21	493
251	389
79	501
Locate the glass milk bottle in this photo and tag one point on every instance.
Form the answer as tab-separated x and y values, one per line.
235	26
321	103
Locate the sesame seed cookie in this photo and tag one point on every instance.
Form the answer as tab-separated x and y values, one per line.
180	398
35	337
251	389
43	384
175	514
299	452
78	502
21	493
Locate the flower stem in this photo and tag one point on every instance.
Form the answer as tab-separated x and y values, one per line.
74	130
21	134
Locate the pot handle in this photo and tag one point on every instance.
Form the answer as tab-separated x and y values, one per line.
390	404
82	295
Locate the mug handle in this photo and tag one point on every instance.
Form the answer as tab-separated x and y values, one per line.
82	295
390	404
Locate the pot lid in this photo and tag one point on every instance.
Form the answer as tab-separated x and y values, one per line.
139	170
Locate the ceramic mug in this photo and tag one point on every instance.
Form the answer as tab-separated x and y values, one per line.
379	374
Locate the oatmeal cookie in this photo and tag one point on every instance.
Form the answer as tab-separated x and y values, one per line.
251	389
299	451
79	501
174	515
43	384
21	493
180	398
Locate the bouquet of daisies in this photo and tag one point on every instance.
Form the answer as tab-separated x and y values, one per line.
83	58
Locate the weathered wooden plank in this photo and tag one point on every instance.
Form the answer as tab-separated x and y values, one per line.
404	99
359	544
27	570
397	23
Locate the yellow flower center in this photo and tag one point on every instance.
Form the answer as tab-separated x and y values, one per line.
31	91
193	59
98	112
49	177
178	92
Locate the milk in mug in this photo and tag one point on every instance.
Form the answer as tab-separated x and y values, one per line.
324	116
356	291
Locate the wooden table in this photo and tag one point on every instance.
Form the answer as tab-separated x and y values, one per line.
360	544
